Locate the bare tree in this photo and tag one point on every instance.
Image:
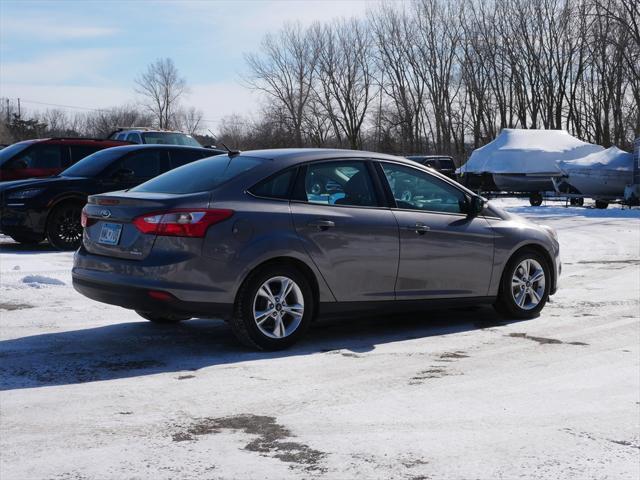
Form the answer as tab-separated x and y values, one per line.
190	120
162	86
285	69
346	84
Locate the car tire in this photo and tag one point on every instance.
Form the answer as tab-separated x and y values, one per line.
523	294
64	231
156	317
576	201
27	239
601	204
535	199
265	320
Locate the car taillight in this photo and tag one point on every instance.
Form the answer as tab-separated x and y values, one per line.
85	221
180	223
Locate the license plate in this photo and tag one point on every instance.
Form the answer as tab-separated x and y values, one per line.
110	233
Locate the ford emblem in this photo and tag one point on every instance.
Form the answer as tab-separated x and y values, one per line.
105	213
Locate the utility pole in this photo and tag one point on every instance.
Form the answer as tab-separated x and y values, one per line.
19	112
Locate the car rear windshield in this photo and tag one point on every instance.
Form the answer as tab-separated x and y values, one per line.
92	165
201	176
170	138
10	151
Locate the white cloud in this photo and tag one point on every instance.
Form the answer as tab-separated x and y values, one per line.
59	66
52	28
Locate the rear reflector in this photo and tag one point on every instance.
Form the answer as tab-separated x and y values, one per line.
158	295
181	223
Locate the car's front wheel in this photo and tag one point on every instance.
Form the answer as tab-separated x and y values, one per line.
525	285
274	308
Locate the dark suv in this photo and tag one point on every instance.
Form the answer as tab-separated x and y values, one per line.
31	210
48	156
440	163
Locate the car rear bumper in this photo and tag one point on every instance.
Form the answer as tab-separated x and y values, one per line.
136	298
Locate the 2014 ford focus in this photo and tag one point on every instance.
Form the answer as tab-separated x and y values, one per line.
271	239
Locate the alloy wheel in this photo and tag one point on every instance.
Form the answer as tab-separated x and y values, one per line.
528	284
278	307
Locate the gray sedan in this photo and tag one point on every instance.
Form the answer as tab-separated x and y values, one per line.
272	239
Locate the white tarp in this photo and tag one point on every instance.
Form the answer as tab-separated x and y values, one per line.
610	159
528	151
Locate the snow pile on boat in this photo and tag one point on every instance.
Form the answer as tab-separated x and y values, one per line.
610	159
528	152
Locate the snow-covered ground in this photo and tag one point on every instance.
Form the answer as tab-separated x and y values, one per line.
90	391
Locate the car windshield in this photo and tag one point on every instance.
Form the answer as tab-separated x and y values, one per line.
94	164
170	138
10	151
200	176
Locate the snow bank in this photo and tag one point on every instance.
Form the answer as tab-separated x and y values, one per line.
610	159
528	151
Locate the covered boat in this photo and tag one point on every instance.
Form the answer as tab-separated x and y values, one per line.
603	174
523	160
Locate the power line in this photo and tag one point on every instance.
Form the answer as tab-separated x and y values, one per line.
91	109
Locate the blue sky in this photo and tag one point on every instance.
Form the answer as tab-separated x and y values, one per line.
87	53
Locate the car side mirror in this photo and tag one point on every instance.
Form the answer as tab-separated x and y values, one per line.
476	205
123	174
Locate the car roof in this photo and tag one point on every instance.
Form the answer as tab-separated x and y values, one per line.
149	146
293	156
76	140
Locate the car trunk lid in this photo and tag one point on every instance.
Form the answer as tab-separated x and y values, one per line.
109	221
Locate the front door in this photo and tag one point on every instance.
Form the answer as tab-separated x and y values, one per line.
444	253
350	236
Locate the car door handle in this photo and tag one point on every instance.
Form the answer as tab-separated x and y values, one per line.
419	228
322	224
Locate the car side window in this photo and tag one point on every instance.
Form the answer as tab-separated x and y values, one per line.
276	186
338	183
180	157
39	156
134	138
144	164
78	152
416	190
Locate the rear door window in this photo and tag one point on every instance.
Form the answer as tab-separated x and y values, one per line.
144	164
338	183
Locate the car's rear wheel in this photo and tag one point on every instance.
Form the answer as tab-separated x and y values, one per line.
64	231
577	201
274	308
525	284
601	204
162	317
27	239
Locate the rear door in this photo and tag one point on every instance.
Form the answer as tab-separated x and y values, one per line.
443	252
338	213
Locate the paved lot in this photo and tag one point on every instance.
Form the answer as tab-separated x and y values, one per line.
91	391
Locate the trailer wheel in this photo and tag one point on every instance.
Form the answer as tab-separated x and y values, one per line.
576	201
535	199
602	204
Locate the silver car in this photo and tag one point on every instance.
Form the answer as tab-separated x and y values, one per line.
272	239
